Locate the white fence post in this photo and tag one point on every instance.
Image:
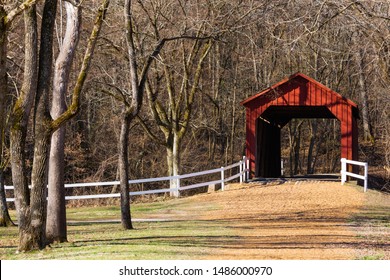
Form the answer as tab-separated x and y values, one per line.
177	192
241	172
343	170
247	169
222	178
281	167
365	176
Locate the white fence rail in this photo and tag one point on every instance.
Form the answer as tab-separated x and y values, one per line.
242	174
345	173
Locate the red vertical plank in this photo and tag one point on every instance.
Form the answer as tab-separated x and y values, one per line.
344	140
314	101
247	138
355	139
310	94
251	132
329	105
350	131
296	96
327	97
318	96
260	111
334	105
292	98
323	97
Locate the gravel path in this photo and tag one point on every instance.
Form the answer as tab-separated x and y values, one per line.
294	220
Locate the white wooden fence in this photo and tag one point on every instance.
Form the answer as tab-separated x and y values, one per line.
242	174
345	173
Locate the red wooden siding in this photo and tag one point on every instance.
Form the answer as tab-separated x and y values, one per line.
296	95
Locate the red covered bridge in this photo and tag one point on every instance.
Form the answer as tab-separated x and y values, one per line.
298	96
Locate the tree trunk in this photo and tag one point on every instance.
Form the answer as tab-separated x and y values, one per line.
176	155
233	127
364	100
19	179
313	131
5	219
123	164
18	131
35	236
297	147
294	129
130	112
56	218
39	181
173	161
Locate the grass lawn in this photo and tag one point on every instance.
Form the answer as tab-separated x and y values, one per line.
252	222
373	226
89	239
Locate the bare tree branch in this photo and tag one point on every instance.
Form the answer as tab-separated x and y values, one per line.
18	10
75	106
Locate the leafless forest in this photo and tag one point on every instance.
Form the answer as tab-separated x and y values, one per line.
156	89
254	44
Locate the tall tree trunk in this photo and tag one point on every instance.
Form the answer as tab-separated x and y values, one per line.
124	170
19	122
173	161
364	100
294	129
297	147
56	218
130	112
233	121
42	134
313	136
5	219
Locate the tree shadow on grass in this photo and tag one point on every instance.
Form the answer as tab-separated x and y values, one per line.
293	230
304	230
236	242
374	215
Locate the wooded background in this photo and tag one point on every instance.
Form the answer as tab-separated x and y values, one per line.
152	88
343	44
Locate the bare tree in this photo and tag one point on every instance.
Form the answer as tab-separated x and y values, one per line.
56	216
174	120
132	101
6	19
4	215
181	72
32	206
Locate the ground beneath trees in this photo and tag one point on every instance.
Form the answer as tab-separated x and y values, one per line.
298	220
279	220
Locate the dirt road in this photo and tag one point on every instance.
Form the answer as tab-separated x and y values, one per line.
296	220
